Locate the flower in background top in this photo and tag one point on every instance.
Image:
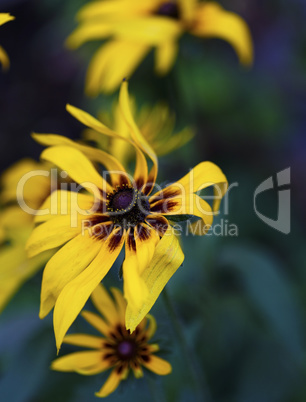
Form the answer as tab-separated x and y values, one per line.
134	27
116	349
93	229
156	124
16	225
4	59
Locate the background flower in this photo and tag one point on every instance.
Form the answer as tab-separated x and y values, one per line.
16	226
134	28
116	349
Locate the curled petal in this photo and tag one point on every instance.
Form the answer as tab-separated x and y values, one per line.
213	21
77	165
168	257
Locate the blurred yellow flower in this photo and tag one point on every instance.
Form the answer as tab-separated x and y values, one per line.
156	124
92	228
134	27
116	349
17	224
4	59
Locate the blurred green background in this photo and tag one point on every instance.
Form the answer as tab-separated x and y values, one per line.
241	299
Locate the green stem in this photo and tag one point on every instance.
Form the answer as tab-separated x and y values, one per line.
198	378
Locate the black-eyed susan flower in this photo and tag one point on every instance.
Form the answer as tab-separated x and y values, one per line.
16	223
93	229
117	349
156	124
134	27
4	59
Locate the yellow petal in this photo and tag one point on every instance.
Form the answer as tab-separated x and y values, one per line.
110	385
87	341
14	217
151	31
122	149
52	234
63	203
187	9
211	20
137	371
100	9
15	269
126	109
96	125
158	366
4	59
64	266
78	167
165	55
92	122
86	32
111	163
75	294
204	175
5	17
167	259
151	327
113	62
97	322
194	205
174	142
105	304
146	240
86	363
35	188
135	289
125	106
120	303
8	288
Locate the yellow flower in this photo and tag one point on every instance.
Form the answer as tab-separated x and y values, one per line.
4	59
134	27
16	226
120	211
117	349
156	124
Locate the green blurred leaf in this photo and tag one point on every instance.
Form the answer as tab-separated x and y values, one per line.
269	290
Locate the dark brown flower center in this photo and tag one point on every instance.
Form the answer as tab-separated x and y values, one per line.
123	200
169	9
126	349
123	348
127	206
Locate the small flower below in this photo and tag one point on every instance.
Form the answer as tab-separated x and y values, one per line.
117	349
